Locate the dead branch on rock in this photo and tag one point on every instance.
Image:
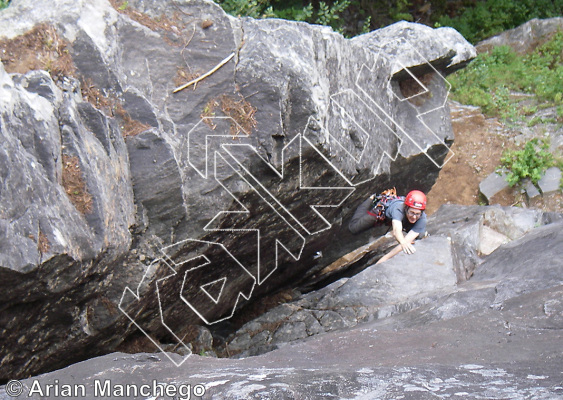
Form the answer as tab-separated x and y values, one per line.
210	72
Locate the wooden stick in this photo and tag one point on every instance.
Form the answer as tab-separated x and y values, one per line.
196	80
350	258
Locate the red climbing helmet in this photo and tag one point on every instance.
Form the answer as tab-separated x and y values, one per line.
416	199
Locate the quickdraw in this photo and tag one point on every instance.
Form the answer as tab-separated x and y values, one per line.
380	202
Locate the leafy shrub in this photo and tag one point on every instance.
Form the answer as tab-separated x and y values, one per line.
530	162
546	70
326	14
401	11
490	17
475	19
246	8
489	79
4	4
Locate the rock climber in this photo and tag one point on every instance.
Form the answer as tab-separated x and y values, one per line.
402	213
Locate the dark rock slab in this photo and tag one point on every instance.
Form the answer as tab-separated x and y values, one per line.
531	190
432	284
513	353
491	185
382	290
550	181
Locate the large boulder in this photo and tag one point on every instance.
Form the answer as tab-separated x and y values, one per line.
524	38
129	207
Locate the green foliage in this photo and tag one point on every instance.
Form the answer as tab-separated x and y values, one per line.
540	120
366	27
4	4
475	19
559	164
488	81
546	70
328	13
245	8
401	11
487	18
530	162
506	108
296	13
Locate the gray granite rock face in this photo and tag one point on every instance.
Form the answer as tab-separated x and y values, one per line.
524	38
40	124
55	259
254	168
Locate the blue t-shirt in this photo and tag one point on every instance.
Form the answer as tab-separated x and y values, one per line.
396	210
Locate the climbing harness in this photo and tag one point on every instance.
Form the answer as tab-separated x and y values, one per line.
380	202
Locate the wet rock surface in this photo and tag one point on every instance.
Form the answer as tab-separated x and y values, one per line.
496	335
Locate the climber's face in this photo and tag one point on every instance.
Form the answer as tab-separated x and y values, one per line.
413	214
